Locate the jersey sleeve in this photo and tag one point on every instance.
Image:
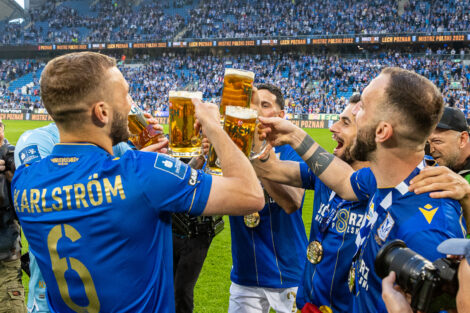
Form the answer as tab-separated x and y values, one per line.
33	146
363	183
307	176
286	153
433	223
169	184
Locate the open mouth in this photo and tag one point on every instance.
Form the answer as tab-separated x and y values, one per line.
340	142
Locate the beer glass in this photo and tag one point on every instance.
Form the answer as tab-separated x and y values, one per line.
240	124
238	86
142	134
184	141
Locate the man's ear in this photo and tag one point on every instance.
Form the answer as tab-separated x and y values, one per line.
100	114
463	139
282	114
383	131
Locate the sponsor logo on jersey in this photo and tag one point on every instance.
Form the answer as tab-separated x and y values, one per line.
171	165
428	212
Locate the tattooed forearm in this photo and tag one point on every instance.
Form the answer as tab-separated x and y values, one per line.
305	145
319	161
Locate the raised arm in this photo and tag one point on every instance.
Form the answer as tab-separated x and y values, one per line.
238	191
331	170
275	170
280	180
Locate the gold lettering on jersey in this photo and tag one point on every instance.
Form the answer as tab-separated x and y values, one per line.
24	201
64	161
91	194
43	201
35	195
89	186
56	191
67	192
16	194
109	189
79	190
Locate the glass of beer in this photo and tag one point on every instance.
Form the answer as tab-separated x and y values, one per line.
184	141
240	124
142	134
213	163
238	86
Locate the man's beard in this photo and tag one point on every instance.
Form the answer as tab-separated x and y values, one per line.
347	155
364	145
119	129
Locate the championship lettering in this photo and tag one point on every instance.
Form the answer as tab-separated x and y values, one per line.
80	195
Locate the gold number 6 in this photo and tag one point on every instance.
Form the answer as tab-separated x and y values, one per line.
59	267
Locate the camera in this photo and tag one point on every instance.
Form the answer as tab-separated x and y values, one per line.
433	285
7	154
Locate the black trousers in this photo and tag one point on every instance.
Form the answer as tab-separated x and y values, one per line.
188	257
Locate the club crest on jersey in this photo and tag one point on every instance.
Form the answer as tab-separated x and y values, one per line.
385	228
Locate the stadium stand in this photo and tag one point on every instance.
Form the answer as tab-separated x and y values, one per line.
311	83
105	20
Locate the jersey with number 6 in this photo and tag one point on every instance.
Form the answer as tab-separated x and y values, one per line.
100	226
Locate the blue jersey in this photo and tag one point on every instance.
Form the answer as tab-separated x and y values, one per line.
335	223
395	213
33	145
103	224
271	254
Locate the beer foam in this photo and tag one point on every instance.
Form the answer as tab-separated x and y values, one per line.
244	73
240	112
185	94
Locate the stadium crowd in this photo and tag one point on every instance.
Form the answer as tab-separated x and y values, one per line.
311	83
352	258
112	20
294	18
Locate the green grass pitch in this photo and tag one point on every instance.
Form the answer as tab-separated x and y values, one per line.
212	289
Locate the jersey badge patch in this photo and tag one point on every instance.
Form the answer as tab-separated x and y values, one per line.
29	154
385	228
171	165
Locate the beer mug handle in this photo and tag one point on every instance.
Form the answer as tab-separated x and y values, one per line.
255	155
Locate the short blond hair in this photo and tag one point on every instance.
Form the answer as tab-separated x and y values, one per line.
72	82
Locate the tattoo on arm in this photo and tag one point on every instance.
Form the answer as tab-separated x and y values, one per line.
319	161
305	145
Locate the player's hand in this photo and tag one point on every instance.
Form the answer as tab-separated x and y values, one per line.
276	131
153	121
394	298
207	115
441	182
205	146
161	146
198	161
2	165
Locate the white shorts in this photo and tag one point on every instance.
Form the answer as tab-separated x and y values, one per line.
244	299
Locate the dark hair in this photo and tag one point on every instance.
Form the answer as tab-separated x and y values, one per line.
71	82
275	91
355	98
416	98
